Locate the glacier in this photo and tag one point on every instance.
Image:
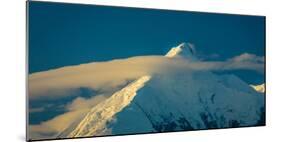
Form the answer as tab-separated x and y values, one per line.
176	101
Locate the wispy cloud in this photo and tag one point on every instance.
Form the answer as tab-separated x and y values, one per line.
105	76
39	109
244	61
246	57
101	76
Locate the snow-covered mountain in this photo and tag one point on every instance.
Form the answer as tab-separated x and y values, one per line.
259	88
184	50
180	100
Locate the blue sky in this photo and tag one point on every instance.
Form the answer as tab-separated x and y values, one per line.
69	34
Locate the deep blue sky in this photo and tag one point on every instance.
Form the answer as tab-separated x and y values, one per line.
70	34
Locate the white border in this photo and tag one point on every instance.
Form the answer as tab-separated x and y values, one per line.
12	76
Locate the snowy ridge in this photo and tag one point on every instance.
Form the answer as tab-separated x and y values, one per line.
259	88
175	51
196	100
95	121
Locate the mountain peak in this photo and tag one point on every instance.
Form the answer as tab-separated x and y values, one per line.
215	95
185	50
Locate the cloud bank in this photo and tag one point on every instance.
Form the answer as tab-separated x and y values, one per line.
105	76
108	77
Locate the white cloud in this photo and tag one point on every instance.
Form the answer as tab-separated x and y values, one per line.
80	102
246	61
108	76
246	57
53	127
102	76
77	109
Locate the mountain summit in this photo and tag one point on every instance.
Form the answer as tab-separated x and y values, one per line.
185	50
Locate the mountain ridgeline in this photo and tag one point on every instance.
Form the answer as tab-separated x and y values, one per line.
180	100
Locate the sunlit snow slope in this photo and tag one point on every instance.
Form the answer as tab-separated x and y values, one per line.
259	88
180	100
